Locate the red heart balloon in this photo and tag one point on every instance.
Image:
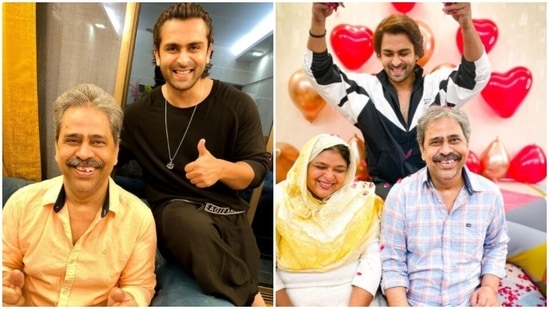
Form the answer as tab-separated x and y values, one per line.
353	45
473	163
487	30
529	165
506	91
403	7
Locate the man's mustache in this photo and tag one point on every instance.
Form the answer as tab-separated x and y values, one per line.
86	163
451	156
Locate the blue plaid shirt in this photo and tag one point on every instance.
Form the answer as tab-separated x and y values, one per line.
439	256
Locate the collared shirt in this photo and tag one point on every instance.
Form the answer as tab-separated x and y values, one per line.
118	249
439	256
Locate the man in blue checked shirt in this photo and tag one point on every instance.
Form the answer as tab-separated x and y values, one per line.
443	228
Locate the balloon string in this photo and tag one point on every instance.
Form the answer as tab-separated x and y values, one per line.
537	189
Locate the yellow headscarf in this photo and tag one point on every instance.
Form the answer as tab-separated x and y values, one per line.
314	235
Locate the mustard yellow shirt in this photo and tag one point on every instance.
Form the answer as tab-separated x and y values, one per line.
118	249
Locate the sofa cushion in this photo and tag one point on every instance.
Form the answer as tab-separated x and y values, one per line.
527	249
10	185
516	290
175	288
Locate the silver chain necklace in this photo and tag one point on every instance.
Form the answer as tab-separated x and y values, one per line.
170	164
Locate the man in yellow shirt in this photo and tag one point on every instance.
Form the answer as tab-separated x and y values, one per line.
79	239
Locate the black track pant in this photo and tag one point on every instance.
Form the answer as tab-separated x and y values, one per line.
219	251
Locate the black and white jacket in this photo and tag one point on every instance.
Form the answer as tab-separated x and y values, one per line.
370	102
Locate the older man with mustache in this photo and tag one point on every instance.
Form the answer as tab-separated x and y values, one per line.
443	229
79	239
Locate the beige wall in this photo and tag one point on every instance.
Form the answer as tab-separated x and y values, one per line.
521	42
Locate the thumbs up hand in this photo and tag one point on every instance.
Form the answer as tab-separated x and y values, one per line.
202	151
205	170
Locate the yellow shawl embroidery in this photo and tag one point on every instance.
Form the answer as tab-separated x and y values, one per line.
316	236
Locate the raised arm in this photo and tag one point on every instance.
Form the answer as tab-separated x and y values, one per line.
317	32
472	44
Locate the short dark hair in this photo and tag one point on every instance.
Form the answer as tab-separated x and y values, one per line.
397	24
183	11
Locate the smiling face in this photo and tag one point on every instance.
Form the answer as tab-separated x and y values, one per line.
183	52
85	150
326	173
398	57
445	150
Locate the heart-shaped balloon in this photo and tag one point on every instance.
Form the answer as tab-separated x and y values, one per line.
304	96
353	45
359	149
487	30
403	7
529	165
506	91
494	160
473	163
286	154
428	43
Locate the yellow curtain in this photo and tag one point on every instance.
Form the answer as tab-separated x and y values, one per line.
20	136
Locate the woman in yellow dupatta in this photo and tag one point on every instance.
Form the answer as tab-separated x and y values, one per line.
327	230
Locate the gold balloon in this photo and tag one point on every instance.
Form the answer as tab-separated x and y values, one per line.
359	149
286	155
304	96
428	42
494	160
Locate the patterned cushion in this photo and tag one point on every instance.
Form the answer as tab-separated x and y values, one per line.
10	185
517	290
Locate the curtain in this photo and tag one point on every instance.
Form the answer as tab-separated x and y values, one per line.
20	135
